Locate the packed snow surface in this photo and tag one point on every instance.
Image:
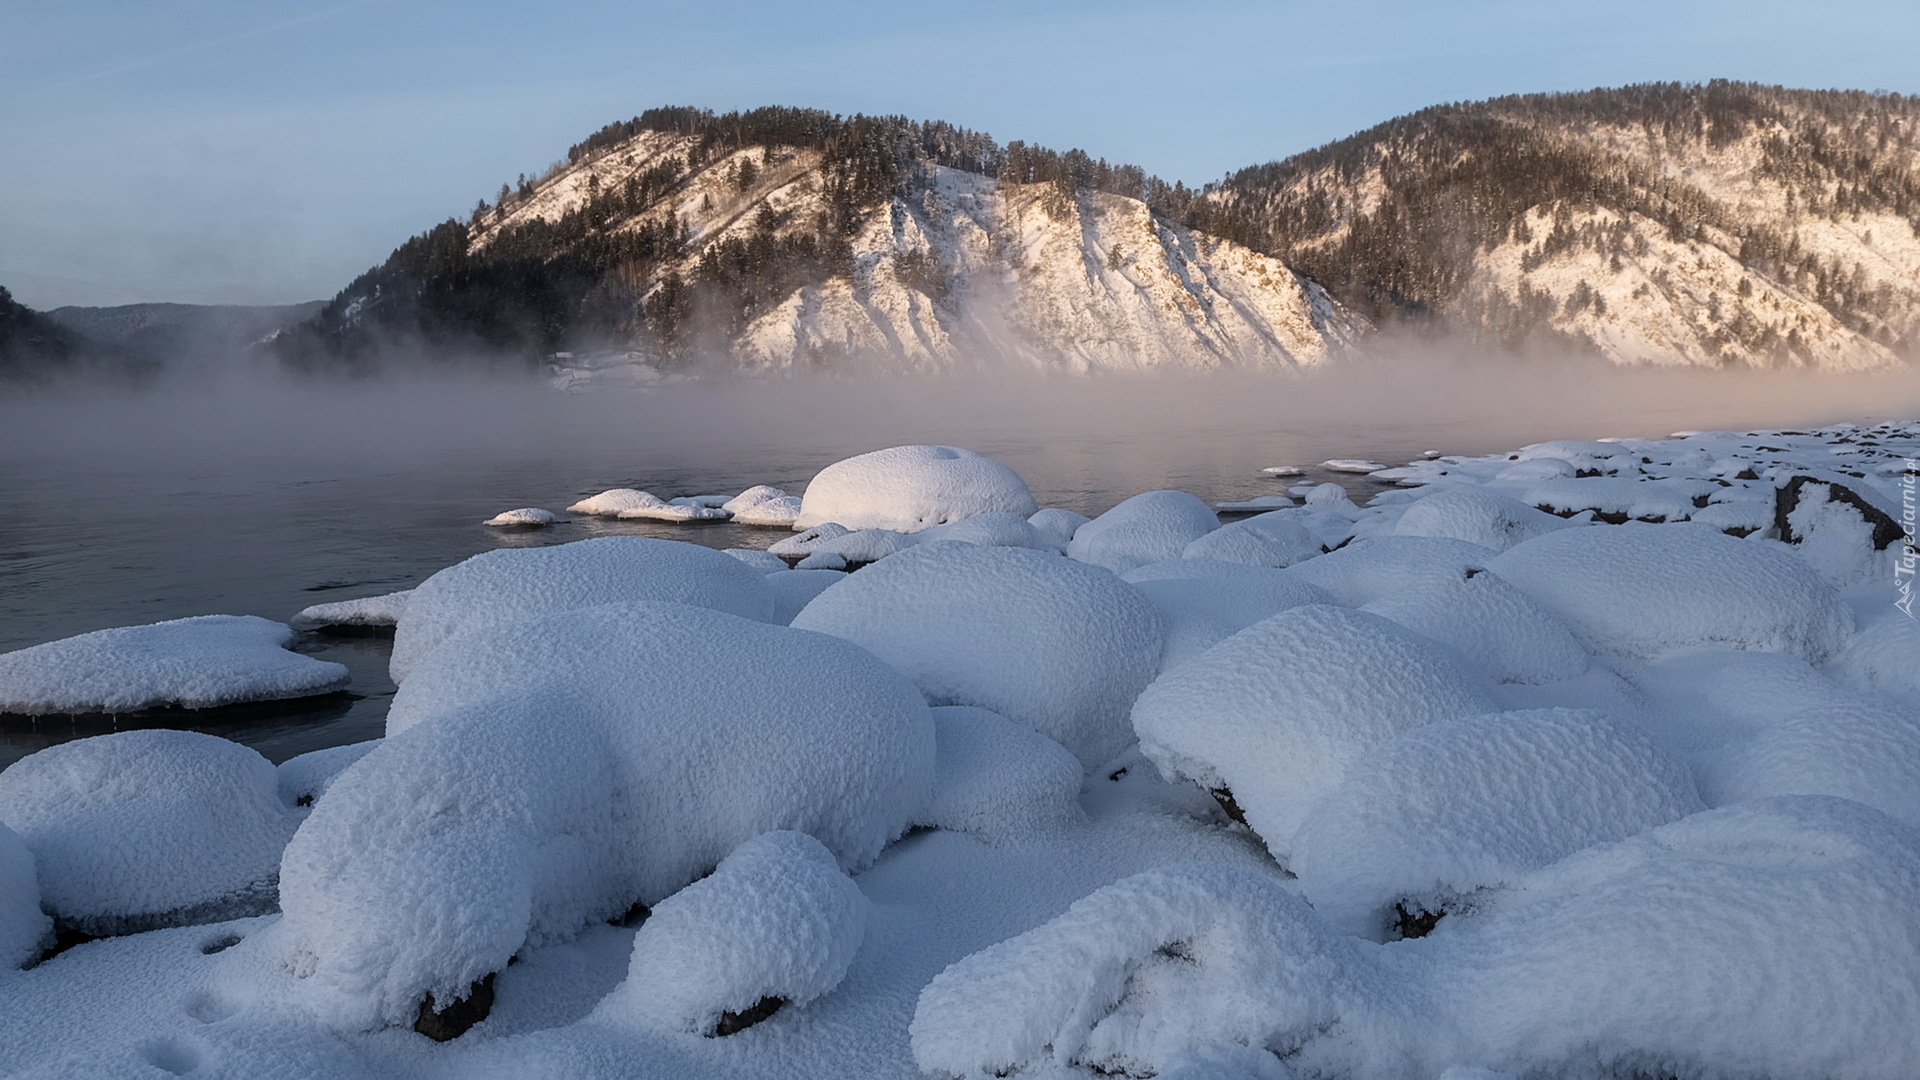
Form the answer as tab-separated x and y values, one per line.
194	663
498	587
148	828
1052	643
909	488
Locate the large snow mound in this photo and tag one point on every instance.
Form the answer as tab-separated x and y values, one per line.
149	828
1491	623
195	663
1465	805
995	778
1383	566
1476	516
1648	590
1054	644
1201	612
1275	714
909	488
383	610
776	919
24	929
546	774
1135	976
498	587
1772	938
1147	528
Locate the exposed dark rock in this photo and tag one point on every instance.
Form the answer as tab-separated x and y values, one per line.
221	943
1416	923
1787	499
634	915
732	1022
1225	799
459	1016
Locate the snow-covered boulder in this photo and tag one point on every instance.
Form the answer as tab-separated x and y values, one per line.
545	774
1460	806
994	778
616	501
909	488
142	829
763	505
692	508
764	561
1201	612
1844	528
526	516
1266	540
1771	938
1052	643
1851	748
367	612
1271	718
793	590
1647	590
305	777
863	546
498	587
1138	976
992	530
25	929
1058	525
1477	516
1488	621
1147	528
776	924
195	663
1884	658
1381	566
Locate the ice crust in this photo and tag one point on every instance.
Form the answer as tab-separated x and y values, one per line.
777	918
489	819
1055	644
148	828
195	663
909	488
499	587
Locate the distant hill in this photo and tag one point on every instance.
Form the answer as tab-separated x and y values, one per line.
34	347
1719	224
177	332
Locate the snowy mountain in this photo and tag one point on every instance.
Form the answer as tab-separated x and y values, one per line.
1718	224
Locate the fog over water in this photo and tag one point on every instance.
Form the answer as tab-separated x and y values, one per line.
261	495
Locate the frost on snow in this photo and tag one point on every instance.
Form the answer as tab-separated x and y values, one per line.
1145	529
545	774
777	921
195	663
994	778
1054	644
148	828
1452	808
1647	590
497	587
1272	717
909	488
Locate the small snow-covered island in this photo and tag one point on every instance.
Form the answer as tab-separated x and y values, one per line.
1591	759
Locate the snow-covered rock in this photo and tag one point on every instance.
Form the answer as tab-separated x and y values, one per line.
1351	465
1146	528
1273	716
195	663
1487	620
545	774
305	777
1476	516
25	929
1382	566
1453	808
1058	525
763	505
992	530
368	611
1646	590
150	828
1202	611
909	488
525	516
616	501
776	920
1265	540
1049	642
1854	749
497	587
793	590
995	778
1882	658
764	561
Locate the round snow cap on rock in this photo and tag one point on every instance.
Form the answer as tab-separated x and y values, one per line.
1272	717
1200	612
1647	590
550	773
1463	805
1476	516
1054	644
1489	622
511	584
995	778
1148	528
1381	566
909	488
143	829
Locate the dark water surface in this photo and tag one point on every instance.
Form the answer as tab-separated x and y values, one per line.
116	511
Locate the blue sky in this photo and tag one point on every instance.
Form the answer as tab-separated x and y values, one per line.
268	151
